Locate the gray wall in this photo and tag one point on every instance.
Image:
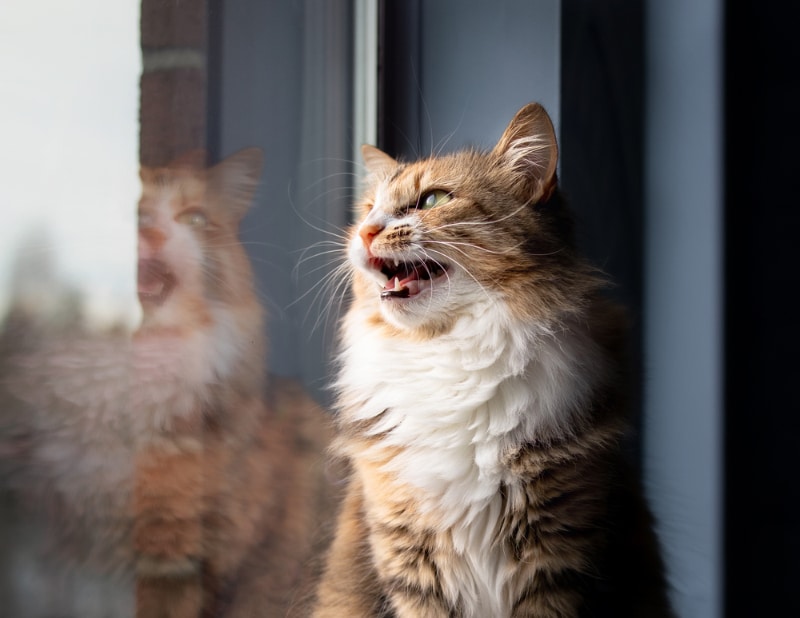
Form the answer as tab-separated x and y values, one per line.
476	64
683	295
286	87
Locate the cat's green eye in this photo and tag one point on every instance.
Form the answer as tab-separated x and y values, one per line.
193	218
437	197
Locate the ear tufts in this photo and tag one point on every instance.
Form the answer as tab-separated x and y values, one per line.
376	161
528	151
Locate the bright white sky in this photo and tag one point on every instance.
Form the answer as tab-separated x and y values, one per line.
69	100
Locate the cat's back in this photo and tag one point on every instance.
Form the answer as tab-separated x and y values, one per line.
286	477
73	443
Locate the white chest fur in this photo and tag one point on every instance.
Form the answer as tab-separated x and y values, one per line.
454	405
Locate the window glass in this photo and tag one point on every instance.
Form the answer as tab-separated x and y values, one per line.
177	177
69	155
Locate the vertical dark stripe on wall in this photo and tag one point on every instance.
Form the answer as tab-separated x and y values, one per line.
399	79
602	139
762	219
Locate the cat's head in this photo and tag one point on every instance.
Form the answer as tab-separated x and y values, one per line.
438	237
190	260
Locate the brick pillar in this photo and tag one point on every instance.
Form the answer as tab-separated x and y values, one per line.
172	120
173	89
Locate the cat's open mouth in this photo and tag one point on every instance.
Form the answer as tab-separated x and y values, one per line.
406	279
155	281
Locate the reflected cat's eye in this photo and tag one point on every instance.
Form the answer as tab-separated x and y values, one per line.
437	197
192	218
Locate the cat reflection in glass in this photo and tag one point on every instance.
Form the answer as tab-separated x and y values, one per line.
172	476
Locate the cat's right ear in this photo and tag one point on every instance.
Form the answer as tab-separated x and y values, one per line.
376	161
528	151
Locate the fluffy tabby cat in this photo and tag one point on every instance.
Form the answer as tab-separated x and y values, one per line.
159	461
481	402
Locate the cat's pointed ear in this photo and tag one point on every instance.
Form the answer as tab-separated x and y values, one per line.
236	178
528	151
376	161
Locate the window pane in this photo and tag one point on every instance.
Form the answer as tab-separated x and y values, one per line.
178	177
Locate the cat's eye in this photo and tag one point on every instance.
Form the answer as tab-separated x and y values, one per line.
193	218
437	197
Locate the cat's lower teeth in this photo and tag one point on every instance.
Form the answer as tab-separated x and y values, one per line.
401	293
397	290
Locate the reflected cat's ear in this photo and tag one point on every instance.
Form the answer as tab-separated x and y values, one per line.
376	161
528	151
235	179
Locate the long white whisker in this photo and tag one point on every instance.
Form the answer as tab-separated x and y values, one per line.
430	274
444	226
457	244
337	248
334	285
339	233
316	269
443	143
447	258
306	255
308	258
314	288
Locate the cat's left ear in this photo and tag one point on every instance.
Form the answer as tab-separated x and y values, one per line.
529	152
235	179
376	161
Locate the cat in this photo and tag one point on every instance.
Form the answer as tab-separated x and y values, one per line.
172	462
481	402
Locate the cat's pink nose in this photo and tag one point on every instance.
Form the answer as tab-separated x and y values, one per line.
151	240
368	232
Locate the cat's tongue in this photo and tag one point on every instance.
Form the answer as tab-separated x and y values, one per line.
154	281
